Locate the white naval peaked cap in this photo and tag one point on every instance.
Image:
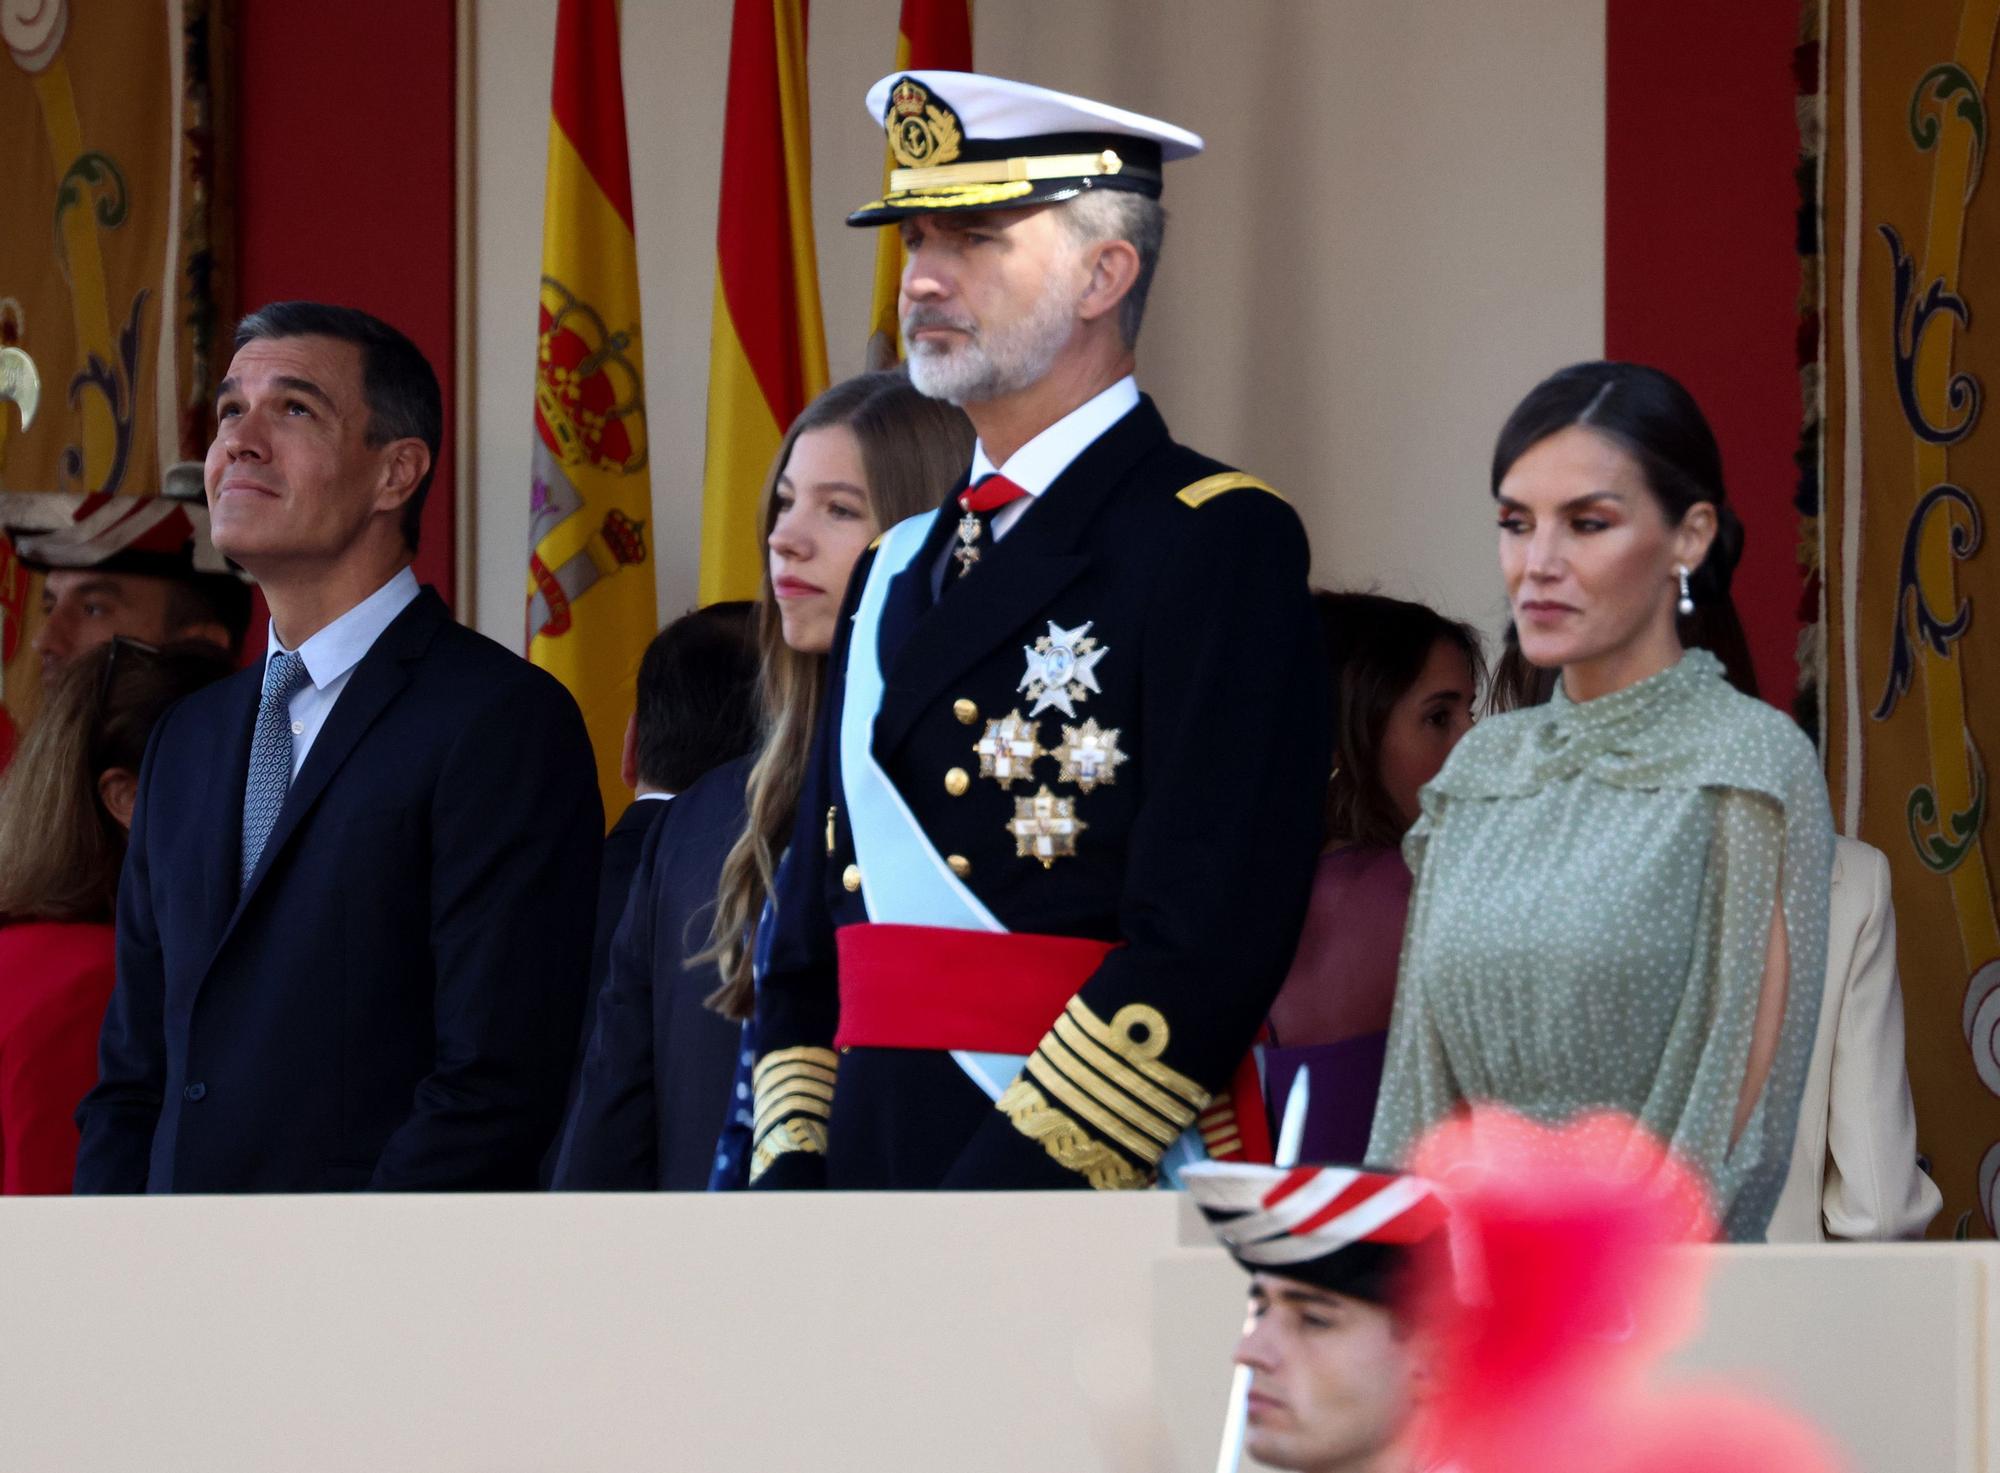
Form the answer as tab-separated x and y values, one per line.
967	141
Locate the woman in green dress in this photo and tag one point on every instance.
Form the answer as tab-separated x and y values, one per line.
1614	891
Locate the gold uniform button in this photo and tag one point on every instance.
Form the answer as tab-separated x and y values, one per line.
965	711
956	782
960	865
850	878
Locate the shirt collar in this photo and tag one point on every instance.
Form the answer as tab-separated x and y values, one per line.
338	648
1035	466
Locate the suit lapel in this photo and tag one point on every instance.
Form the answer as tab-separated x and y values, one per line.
909	595
1015	578
380	677
220	845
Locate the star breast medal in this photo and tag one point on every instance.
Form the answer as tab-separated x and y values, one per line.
1062	669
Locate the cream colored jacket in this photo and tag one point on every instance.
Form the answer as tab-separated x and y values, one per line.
1854	1165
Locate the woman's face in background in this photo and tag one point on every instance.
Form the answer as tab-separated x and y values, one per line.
824	522
1424	724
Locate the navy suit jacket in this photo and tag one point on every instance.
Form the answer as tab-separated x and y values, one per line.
393	999
658	1069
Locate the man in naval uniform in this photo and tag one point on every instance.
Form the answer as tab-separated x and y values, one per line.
1055	844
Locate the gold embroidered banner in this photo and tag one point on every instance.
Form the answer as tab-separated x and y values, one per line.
1912	458
111	262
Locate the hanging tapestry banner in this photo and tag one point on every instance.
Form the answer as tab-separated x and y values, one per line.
1912	460
111	265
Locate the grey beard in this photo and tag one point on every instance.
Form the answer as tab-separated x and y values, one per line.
993	365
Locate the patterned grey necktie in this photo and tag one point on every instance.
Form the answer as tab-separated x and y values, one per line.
270	756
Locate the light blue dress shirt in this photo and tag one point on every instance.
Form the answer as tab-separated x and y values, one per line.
332	654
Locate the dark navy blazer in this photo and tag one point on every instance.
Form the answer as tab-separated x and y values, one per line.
393	1000
659	1067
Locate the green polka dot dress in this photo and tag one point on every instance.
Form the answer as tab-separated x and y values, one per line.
1594	887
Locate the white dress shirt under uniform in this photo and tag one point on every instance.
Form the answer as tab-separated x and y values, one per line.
332	654
1035	466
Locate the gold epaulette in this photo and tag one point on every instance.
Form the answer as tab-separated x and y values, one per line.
792	1090
1209	487
1097	1098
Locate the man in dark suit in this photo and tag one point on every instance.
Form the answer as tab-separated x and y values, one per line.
1057	837
697	695
354	922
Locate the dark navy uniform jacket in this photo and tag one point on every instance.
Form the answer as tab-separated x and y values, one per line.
1196	858
393	999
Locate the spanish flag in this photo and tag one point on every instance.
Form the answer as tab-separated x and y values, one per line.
934	35
767	351
590	577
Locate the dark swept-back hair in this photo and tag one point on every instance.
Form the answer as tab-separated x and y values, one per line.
1649	416
397	381
1375	650
698	695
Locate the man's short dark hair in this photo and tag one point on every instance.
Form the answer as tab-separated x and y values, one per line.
401	388
698	695
209	598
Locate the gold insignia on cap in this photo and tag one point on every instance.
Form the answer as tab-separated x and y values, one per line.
923	130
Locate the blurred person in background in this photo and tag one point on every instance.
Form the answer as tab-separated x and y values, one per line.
1404	679
65	808
663	1097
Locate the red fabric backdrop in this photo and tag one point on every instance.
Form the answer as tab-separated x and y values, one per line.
1701	268
345	181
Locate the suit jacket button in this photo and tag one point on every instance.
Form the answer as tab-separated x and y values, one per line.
956	782
960	865
850	878
194	1092
965	711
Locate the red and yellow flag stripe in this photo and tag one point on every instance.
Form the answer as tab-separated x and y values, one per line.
933	35
767	353
590	599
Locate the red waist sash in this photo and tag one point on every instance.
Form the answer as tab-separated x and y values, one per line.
998	992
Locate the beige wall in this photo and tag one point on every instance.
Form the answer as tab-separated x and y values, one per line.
740	1333
1397	229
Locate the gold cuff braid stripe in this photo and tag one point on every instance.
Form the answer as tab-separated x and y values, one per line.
785	1075
1143	1057
1073	1069
1068	1144
1124	1076
775	1106
784	1138
1107	1124
825	1058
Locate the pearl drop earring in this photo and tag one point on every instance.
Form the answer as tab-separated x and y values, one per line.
1686	605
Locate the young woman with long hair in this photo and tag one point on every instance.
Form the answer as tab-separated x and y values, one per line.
65	806
659	1074
1404	679
1616	892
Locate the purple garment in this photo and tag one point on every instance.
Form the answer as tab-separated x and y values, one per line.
1345	1078
1332	1013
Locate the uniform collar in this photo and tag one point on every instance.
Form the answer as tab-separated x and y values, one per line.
338	648
1035	466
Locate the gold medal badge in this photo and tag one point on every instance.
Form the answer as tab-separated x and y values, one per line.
923	130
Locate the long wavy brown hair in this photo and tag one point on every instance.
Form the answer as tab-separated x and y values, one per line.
913	451
60	848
